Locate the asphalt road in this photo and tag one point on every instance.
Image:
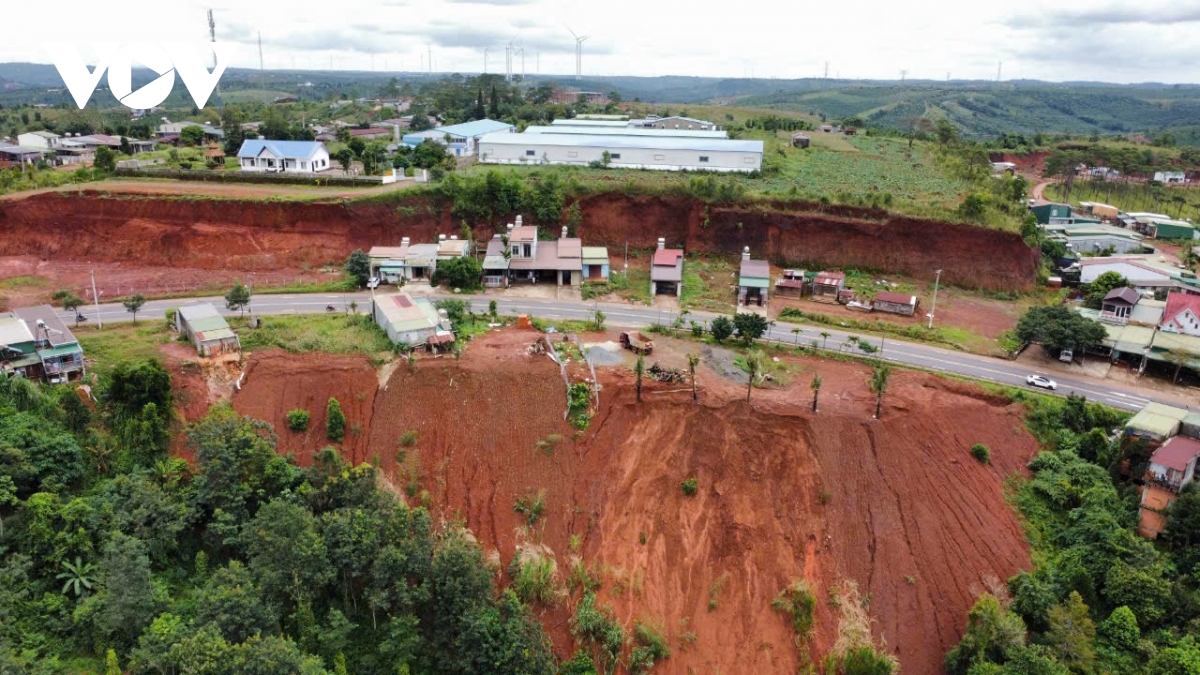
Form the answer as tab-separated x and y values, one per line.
627	316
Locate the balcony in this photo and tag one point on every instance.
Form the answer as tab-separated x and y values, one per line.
1113	318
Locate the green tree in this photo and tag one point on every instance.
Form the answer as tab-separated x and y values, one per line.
1099	288
238	298
8	497
693	361
598	318
286	553
191	136
358	266
106	159
357	146
880	374
947	133
1072	634
754	366
127	604
125	147
134	304
72	303
750	326
1057	327
78	577
639	369
815	385
233	602
111	665
344	158
994	635
465	273
1120	630
335	420
1182	659
1182	531
721	328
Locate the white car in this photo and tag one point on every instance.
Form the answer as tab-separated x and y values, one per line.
1043	382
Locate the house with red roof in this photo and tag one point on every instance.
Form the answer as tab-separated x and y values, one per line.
666	270
1182	314
1172	468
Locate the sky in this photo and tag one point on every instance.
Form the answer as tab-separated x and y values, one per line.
1099	40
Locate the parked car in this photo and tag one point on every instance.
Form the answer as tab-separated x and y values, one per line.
1040	381
1066	355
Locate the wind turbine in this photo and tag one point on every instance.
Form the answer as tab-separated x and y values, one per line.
578	52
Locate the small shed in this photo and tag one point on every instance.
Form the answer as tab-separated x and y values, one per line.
895	303
495	264
1174	229
790	284
411	321
595	263
666	270
1050	212
827	286
754	277
800	141
1156	422
207	330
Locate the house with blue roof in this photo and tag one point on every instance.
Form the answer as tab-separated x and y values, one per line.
283	156
461	139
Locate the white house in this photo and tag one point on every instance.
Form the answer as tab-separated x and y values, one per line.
1170	176
44	140
283	156
1182	314
461	139
624	152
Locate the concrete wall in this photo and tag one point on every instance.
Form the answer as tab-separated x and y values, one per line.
626	158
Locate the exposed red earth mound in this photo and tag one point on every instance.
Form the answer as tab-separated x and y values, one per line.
898	505
290	237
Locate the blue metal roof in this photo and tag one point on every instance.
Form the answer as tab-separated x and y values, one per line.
295	149
476	128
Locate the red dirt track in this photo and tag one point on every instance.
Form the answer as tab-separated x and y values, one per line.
902	496
231	235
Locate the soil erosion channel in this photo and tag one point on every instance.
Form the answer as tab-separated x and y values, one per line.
897	505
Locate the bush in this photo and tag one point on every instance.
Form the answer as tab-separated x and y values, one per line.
799	603
721	328
464	273
297	420
690	486
408	438
335	422
980	452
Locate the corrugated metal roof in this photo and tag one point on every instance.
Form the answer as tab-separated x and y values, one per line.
625	131
829	278
1148	421
452	247
13	331
290	149
611	124
421	255
522	234
757	269
393	252
405	313
570	248
201	311
207	324
1176	453
495	262
595	255
896	298
630	142
58	334
753	282
215	334
476	128
668	256
1124	293
59	351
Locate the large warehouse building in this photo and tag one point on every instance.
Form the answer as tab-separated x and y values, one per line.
624	131
665	153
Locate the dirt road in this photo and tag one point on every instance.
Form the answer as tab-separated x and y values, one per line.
167	187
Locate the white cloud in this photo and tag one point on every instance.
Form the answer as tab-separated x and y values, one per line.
1152	40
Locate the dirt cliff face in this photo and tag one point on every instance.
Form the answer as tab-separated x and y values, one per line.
284	236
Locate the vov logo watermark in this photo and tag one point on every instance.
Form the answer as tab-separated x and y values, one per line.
164	59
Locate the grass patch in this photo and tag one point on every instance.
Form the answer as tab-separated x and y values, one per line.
546	445
959	338
535	579
408	439
532	506
122	343
336	334
23	282
707	284
631	284
714	591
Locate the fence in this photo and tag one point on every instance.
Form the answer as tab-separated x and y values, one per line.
242	177
217	286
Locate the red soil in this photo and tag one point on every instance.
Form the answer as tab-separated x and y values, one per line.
277	382
902	496
238	237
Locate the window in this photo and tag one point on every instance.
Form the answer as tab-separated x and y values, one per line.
659	158
614	155
703	159
530	153
748	160
572	153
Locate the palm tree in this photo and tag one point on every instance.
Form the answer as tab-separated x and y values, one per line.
78	576
796	332
754	363
824	338
640	369
815	385
879	383
693	361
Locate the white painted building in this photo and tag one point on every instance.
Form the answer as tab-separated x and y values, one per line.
461	139
44	140
283	156
589	130
626	152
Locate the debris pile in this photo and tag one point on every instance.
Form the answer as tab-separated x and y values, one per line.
666	374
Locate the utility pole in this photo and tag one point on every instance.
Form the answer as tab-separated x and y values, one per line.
827	70
933	307
999	66
96	299
903	73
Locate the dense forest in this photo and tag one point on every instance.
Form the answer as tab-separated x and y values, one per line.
116	556
1100	598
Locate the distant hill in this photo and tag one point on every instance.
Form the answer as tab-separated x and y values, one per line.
990	110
